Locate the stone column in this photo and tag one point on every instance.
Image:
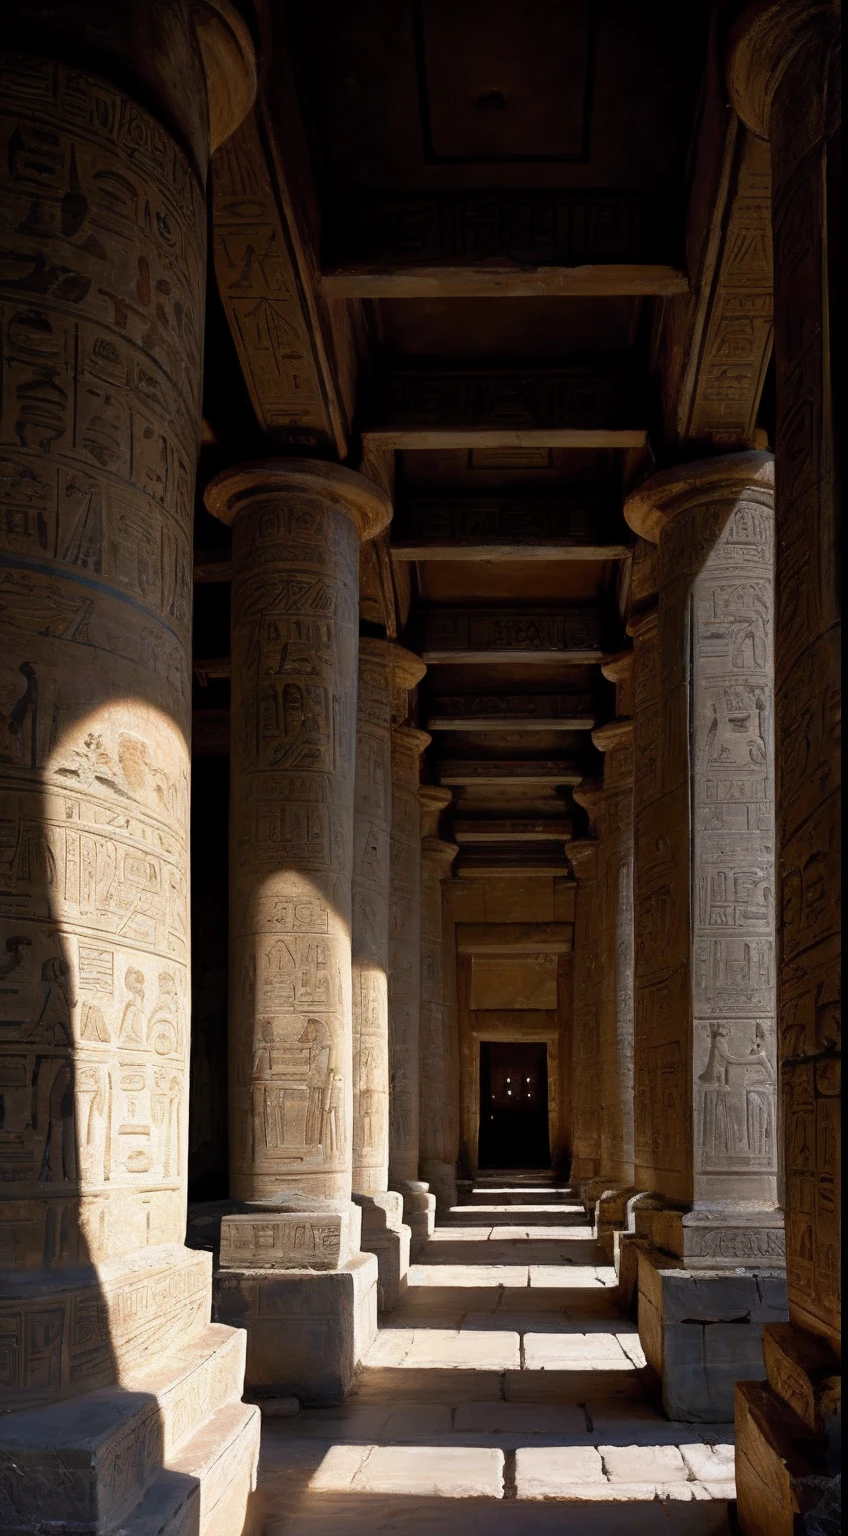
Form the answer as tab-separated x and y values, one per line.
439	1043
291	1267
101	306
705	1053
419	1205
784	82
615	827
383	1232
585	1036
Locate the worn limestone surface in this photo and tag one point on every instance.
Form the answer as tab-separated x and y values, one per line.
507	1393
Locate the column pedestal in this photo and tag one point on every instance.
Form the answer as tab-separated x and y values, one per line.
705	1045
292	1272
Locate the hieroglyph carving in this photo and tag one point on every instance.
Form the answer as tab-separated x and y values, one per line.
405	953
260	290
101	310
536	631
294	637
577	397
370	947
498	520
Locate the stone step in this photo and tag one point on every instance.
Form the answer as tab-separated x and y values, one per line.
209	1487
89	1459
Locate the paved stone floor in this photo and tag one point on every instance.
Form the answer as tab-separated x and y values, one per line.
507	1394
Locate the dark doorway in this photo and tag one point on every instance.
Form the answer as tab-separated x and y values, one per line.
514	1105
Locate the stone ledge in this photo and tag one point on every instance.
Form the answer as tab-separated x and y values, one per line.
780	1464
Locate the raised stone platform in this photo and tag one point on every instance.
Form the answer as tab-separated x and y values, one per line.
174	1449
419	1210
306	1295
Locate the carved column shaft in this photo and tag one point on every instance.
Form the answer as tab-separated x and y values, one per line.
705	1025
101	307
371	874
616	940
439	1147
585	1039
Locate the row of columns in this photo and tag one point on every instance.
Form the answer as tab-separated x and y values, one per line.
729	824
335	936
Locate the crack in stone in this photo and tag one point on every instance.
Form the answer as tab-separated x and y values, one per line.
510	1485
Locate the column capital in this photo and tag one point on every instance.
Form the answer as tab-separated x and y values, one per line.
433	800
235	490
619	668
616	733
766	41
405	672
583	857
589	795
644	623
190	63
652	507
439	853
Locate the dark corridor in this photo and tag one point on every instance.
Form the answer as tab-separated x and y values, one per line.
514	1105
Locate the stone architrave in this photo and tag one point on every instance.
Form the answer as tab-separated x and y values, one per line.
419	1206
101	308
583	854
296	527
705	1045
783	77
383	1232
439	1041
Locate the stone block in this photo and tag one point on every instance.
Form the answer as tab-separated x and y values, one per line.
385	1234
701	1332
780	1464
441	1178
276	1239
307	1330
557	1472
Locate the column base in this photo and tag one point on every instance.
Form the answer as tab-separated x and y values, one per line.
174	1448
419	1210
298	1283
701	1330
625	1247
610	1214
787	1436
441	1178
385	1235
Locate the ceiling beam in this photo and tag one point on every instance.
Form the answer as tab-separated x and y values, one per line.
578	406
510	775
512	830
511	712
508	528
597	280
482	635
484	866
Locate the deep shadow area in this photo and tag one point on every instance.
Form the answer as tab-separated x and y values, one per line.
513	1104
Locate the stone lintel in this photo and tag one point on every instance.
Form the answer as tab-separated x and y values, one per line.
512	830
497	635
597	280
289	1239
514	938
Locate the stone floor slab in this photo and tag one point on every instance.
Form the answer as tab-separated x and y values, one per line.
452	1472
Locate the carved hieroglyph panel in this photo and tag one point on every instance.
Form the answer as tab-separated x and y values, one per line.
405	953
101	312
372	826
294	635
717	570
260	290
